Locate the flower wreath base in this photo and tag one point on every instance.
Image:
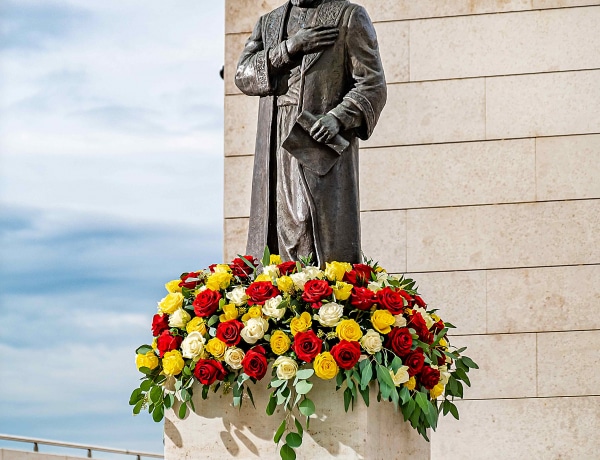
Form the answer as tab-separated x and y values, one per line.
352	323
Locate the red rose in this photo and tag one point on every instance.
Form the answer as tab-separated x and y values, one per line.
307	345
359	275
419	301
287	268
159	323
362	298
209	370
261	291
229	332
346	354
438	326
415	362
206	303
193	277
409	299
417	322
391	300
240	268
315	291
399	341
255	363
429	377
167	342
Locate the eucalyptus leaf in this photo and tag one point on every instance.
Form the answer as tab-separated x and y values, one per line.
367	375
279	432
145	385
303	387
159	413
306	407
422	401
304	374
138	407
135	396
294	440
287	453
182	411
142	350
383	375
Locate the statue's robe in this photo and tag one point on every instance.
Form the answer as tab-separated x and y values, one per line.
345	80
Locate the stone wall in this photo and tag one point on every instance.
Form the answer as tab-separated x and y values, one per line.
482	180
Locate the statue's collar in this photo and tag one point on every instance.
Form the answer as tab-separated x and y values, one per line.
313	4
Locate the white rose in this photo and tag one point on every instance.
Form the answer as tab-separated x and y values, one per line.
234	357
374	286
300	280
330	314
179	319
237	296
271	270
255	330
382	276
400	321
428	319
444	375
270	308
401	376
193	345
371	342
313	273
286	367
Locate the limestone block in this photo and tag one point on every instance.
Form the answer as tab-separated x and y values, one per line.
234	44
242	15
222	431
561	3
568	167
238	186
566	362
447	174
501	44
432	112
241	115
459	296
393	47
383	239
235	236
543	104
544	428
507	365
503	236
543	299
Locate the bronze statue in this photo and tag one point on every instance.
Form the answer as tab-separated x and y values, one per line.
315	65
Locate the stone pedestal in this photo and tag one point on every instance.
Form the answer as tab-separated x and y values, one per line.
218	430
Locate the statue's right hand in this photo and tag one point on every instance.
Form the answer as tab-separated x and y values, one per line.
312	39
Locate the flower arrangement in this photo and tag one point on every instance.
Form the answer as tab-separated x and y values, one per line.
352	323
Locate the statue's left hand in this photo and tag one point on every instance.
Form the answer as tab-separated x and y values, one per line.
325	128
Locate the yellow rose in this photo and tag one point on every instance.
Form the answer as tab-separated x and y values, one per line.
149	360
342	290
274	259
173	286
155	344
285	284
443	343
171	302
216	348
218	280
300	323
382	320
335	271
280	342
411	384
172	362
230	311
197	324
436	391
254	312
221	268
349	330
435	317
325	366
263	277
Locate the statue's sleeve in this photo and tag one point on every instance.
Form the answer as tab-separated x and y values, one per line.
361	106
258	66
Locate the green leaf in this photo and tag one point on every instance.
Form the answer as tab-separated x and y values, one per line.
383	375
422	401
279	432
145	370
414	417
251	396
306	407
303	387
287	453
187	371
282	395
469	362
304	374
449	325
266	259
462	375
185	395
404	394
277	383
169	400
347	398
182	411
453	410
272	404
367	375
299	427
138	407
159	413
135	396
142	350
365	393
156	394
145	385
294	440
396	364
214	319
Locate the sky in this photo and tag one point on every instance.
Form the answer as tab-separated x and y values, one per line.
111	179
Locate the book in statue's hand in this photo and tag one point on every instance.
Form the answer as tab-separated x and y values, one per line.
311	154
